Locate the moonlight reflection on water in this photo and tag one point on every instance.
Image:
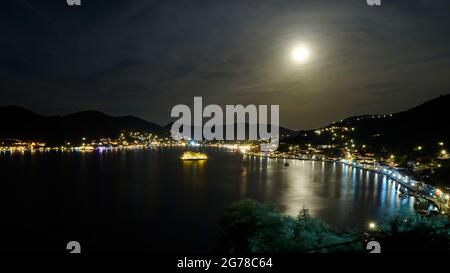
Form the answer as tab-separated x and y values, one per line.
152	200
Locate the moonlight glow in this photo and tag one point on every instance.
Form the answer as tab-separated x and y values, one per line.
300	54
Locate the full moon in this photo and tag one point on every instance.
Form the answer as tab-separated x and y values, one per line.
300	54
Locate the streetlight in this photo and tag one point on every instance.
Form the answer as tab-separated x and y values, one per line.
372	225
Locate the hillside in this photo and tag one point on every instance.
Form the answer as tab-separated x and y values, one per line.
426	124
282	130
22	124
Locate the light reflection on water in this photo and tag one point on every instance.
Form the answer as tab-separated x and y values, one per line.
343	196
152	200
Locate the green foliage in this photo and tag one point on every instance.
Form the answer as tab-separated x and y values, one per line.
251	227
414	233
406	222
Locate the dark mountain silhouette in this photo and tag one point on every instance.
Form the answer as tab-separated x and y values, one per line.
421	125
22	124
425	124
284	132
19	123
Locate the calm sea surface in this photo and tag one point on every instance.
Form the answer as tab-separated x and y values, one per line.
150	200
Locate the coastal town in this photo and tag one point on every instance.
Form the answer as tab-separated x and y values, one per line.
429	199
125	141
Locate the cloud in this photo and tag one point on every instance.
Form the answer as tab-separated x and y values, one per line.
144	56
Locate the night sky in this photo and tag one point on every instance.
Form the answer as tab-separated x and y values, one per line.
143	57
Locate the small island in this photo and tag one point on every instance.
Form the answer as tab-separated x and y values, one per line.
189	155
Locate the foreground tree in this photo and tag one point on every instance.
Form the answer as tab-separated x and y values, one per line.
251	227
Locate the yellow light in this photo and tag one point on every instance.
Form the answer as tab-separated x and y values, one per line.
419	148
244	148
443	152
441	143
372	225
193	156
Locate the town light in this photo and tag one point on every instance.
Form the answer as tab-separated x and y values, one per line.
244	148
372	225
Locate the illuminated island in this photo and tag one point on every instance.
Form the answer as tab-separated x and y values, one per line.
193	156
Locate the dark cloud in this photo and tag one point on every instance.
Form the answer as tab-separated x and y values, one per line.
142	57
